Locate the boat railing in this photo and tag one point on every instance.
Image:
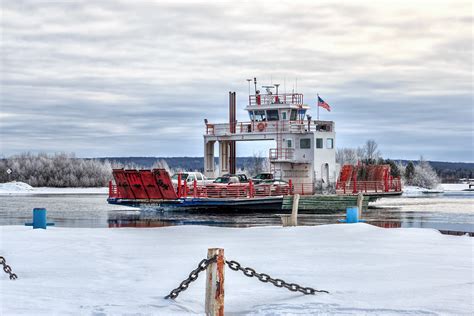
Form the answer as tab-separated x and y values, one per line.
281	154
231	191
391	185
267	99
255	127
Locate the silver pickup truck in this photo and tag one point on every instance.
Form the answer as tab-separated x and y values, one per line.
189	178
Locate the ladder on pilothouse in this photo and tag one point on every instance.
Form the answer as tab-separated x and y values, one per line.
280	155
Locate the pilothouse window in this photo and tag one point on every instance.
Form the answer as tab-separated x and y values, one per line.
272	115
259	115
293	115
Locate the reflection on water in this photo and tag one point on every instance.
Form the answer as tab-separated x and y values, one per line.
88	210
387	218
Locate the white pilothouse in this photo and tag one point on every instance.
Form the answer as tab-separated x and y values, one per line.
304	149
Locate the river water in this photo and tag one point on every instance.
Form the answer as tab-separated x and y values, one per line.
452	211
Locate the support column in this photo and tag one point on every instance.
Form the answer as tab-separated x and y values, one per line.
223	157
209	165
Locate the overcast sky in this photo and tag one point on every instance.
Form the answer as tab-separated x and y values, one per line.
137	78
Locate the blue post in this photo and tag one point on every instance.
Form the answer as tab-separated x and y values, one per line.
39	219
352	215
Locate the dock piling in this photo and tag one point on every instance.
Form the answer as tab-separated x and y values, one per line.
294	210
39	219
360	202
292	220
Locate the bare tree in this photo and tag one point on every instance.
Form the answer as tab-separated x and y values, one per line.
347	156
257	164
371	152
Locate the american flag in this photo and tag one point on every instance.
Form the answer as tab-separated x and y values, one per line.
323	104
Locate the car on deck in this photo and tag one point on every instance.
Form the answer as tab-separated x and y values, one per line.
272	187
264	176
189	178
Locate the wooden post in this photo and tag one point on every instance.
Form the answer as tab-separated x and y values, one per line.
360	203
294	210
215	283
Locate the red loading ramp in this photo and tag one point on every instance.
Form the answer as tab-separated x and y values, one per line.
378	172
123	187
151	187
136	185
164	183
346	173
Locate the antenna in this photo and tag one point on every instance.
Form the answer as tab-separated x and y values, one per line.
255	83
249	80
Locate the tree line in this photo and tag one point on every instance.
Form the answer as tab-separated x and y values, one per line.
66	170
56	170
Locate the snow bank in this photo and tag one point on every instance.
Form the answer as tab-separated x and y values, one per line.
10	188
368	270
15	187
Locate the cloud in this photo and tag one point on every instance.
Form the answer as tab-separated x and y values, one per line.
132	78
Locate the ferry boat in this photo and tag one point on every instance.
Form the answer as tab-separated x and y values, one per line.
304	157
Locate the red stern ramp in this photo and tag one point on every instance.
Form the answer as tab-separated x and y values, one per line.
123	187
164	183
136	185
151	187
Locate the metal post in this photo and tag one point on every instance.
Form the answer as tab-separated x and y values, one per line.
185	188
215	283
317	104
179	185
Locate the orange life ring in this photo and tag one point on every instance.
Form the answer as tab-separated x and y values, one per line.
261	126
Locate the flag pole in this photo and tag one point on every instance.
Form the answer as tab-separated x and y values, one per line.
317	104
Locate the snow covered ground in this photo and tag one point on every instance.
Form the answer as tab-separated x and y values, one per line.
432	204
368	270
443	187
454	186
15	187
452	200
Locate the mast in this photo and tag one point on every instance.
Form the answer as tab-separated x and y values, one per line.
317	104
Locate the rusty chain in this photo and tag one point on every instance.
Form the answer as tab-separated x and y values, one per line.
265	278
249	272
7	269
183	286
